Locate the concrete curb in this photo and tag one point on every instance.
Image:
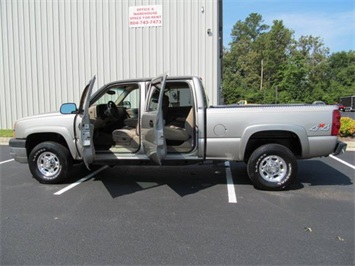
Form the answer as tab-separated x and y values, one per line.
4	141
351	144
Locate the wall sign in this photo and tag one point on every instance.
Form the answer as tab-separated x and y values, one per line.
145	16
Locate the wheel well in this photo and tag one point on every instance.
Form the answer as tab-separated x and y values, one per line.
285	138
34	139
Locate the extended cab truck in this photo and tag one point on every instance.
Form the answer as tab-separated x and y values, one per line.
168	121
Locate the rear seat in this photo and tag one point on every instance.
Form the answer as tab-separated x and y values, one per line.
172	132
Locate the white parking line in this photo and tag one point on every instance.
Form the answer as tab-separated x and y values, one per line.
60	192
7	161
343	162
232	198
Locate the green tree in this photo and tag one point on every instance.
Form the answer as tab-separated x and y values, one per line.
251	66
241	69
250	29
266	64
342	75
274	49
304	72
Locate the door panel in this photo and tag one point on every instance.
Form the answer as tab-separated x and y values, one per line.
152	121
84	127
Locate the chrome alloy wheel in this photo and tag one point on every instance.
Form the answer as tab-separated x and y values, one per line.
273	168
48	164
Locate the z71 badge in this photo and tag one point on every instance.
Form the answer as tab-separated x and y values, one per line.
320	127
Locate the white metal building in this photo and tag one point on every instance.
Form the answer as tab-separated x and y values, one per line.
49	50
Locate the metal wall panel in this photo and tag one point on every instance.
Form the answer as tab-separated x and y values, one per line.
50	49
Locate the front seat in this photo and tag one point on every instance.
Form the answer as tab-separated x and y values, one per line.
127	136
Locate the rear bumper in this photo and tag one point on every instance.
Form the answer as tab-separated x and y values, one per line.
18	150
340	148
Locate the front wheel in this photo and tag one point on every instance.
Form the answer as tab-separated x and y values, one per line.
272	167
50	162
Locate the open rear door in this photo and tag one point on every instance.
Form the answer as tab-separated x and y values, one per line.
85	129
152	121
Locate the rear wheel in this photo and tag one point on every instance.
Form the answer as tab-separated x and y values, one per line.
50	162
272	167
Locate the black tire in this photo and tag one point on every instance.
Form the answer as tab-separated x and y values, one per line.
50	162
272	167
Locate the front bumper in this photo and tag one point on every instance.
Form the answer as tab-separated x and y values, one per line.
340	148
18	150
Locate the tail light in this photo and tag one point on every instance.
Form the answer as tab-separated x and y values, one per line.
336	122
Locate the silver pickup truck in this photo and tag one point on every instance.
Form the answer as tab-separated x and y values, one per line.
168	121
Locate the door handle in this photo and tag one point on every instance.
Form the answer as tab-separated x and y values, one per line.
151	124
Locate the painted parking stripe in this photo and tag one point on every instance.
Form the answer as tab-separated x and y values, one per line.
60	192
7	161
343	162
232	197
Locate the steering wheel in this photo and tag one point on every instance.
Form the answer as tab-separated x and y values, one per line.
112	110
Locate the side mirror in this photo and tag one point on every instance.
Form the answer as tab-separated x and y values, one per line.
68	108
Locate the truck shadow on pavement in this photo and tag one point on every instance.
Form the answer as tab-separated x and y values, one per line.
186	180
317	173
78	171
310	172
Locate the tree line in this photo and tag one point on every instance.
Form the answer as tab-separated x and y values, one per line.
266	64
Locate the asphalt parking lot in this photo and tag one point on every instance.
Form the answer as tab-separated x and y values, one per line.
192	215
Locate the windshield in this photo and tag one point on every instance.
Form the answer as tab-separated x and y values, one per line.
113	94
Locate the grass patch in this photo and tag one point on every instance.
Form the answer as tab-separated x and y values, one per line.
6	133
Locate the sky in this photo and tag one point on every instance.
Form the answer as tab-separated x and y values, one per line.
331	20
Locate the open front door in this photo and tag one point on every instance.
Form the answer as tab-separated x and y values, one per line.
152	121
85	129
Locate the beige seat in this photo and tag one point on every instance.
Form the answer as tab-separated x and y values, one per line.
127	136
172	132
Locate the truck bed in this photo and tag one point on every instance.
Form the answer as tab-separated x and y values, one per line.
230	127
